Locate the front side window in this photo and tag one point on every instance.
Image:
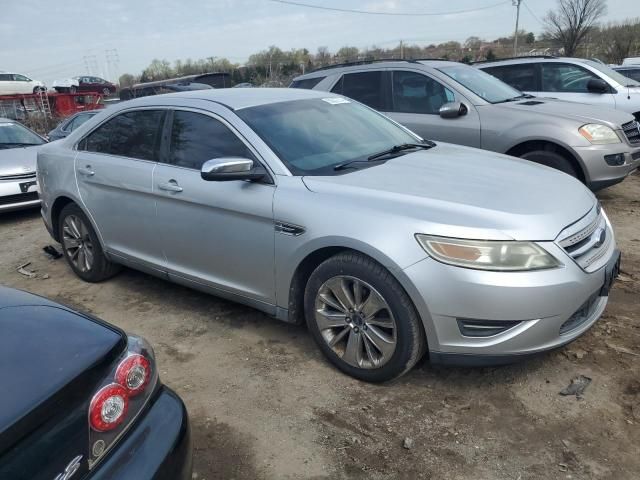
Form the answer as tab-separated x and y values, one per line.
565	77
15	135
364	87
20	78
131	134
481	83
196	138
522	77
417	93
312	136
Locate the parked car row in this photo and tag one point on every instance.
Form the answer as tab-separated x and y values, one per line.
12	83
15	84
456	103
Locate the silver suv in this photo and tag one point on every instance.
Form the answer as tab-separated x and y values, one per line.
572	79
312	207
456	103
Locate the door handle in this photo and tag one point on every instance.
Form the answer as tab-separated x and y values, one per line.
170	186
86	171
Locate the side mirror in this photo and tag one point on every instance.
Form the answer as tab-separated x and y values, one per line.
597	85
453	110
231	168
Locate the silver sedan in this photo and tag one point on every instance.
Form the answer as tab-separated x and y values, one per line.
312	207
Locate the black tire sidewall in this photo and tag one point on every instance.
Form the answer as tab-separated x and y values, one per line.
551	159
409	332
98	271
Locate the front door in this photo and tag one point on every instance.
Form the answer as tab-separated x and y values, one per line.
215	234
416	101
567	81
114	170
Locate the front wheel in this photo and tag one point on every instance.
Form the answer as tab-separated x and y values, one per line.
81	246
551	159
106	92
362	319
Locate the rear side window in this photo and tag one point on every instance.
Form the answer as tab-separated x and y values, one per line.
131	134
76	122
307	83
417	93
565	77
522	77
364	87
6	77
196	138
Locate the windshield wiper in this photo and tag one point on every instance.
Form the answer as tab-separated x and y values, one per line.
393	150
515	99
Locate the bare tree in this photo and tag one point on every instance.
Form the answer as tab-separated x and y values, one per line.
572	20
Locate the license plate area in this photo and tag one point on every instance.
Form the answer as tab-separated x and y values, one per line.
611	272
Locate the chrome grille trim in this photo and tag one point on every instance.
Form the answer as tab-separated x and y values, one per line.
19	176
632	132
588	241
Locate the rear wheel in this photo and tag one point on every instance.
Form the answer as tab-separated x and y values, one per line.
106	92
362	319
553	159
81	246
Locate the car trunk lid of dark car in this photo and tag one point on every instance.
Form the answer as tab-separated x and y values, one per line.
52	361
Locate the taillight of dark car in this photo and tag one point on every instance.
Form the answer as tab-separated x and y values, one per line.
121	397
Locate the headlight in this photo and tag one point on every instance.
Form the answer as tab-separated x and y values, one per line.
509	256
599	134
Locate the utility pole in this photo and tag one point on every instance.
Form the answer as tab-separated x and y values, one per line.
516	3
401	50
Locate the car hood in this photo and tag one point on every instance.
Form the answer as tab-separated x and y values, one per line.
465	192
17	161
579	112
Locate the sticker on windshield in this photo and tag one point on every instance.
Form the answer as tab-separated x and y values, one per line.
335	100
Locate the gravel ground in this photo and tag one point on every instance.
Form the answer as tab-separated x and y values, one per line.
265	405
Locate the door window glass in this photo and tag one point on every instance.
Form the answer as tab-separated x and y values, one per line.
20	78
417	93
364	87
6	77
196	138
307	83
564	77
76	122
521	76
132	134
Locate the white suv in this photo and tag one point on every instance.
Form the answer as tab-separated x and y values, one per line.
16	83
573	79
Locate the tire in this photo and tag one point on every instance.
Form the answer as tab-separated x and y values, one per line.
551	158
397	321
106	92
37	90
73	225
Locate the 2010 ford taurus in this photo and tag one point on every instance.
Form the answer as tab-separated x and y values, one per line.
312	207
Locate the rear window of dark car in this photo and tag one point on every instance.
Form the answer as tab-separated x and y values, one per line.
306	83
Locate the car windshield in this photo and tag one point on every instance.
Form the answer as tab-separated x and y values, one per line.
481	83
312	136
611	73
15	135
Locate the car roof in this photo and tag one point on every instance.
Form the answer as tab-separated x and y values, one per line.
233	98
531	59
375	65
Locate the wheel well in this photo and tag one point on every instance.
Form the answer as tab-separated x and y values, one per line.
300	278
56	208
533	145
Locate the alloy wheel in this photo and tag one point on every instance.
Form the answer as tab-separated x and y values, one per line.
77	243
355	321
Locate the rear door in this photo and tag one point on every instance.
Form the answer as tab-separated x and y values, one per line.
567	81
216	234
416	99
114	170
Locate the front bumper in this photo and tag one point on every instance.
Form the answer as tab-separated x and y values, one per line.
158	447
18	194
599	174
536	304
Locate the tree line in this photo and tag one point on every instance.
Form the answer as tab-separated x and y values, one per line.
571	29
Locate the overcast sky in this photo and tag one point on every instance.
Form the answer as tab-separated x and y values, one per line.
48	40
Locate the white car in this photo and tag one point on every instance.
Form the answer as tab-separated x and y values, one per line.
16	83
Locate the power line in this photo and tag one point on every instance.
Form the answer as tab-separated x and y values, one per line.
400	14
532	14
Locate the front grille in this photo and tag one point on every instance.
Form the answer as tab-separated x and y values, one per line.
581	315
484	328
19	176
588	240
19	198
632	132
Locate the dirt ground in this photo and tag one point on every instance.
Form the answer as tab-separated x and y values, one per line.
265	405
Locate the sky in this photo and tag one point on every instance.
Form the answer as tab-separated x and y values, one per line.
48	41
